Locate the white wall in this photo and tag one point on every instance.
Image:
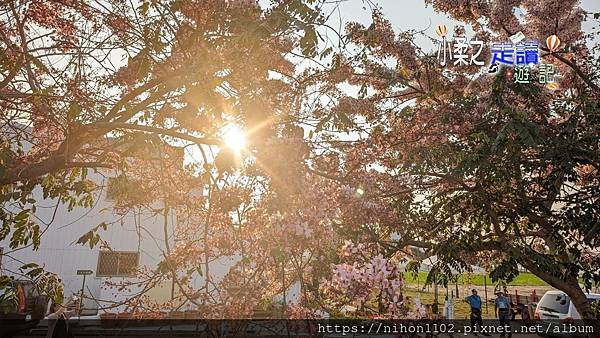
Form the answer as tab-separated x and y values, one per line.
59	253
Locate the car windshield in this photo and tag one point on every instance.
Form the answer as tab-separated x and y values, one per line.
556	303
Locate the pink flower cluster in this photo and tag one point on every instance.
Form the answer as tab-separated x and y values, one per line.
365	280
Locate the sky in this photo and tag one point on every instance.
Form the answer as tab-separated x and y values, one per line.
414	14
408	14
403	15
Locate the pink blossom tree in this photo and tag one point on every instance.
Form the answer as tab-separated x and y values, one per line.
468	165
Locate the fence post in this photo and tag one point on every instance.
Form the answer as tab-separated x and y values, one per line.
485	289
457	295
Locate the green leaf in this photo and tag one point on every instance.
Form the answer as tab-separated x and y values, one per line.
91	237
23	215
308	43
28	266
277	254
322	123
326	53
74	111
144	8
362	93
345	120
506	271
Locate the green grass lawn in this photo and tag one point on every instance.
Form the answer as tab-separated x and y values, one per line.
523	279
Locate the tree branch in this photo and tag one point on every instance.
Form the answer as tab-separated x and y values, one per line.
155	130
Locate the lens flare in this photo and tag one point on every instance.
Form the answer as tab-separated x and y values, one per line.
233	137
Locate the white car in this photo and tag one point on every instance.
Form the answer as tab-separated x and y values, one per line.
556	307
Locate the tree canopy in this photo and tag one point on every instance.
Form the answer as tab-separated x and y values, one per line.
362	150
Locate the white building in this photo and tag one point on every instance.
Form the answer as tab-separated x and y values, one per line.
136	240
131	238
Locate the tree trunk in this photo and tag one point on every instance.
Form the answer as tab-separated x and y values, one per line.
582	304
570	287
580	301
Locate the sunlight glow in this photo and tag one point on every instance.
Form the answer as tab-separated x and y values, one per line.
360	192
234	137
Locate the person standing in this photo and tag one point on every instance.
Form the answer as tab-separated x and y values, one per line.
502	312
474	302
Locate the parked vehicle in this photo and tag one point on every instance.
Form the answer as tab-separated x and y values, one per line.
556	308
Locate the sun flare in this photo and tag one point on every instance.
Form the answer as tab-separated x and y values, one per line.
234	137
